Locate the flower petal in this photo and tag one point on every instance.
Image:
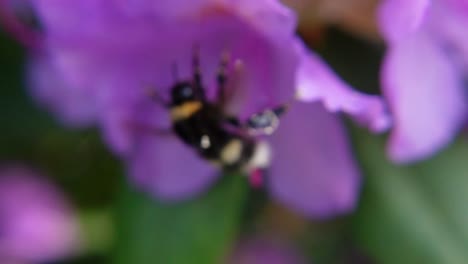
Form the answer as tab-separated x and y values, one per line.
398	18
85	18
37	224
458	5
426	95
317	82
170	170
73	106
313	170
276	18
89	59
448	23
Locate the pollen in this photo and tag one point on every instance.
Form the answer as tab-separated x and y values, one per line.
185	110
232	152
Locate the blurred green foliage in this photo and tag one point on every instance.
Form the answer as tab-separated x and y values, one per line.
77	159
197	231
414	214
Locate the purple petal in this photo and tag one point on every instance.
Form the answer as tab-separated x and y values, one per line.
398	18
313	170
426	95
166	9
126	109
93	58
169	169
36	223
459	5
317	82
276	18
67	18
448	23
73	106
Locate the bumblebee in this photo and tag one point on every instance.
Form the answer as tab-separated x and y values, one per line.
217	137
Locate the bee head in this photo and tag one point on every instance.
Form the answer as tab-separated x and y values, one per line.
185	91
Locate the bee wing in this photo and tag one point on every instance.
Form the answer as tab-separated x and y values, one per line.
312	169
244	97
234	94
169	169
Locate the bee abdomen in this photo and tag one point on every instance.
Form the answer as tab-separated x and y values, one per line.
245	154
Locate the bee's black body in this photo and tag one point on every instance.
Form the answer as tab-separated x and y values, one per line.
204	126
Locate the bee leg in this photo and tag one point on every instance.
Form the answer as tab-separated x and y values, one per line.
221	79
233	121
156	97
280	110
160	131
265	122
277	111
197	78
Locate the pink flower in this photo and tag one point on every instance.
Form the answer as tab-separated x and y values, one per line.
424	73
36	223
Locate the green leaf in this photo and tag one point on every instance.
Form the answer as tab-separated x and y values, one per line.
196	231
417	213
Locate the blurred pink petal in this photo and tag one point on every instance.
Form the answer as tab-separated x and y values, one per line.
398	18
317	82
426	95
313	170
170	170
36	223
73	106
424	73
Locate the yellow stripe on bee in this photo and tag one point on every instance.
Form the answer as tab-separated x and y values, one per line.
185	110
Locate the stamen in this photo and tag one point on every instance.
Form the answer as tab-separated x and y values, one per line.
196	65
153	94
